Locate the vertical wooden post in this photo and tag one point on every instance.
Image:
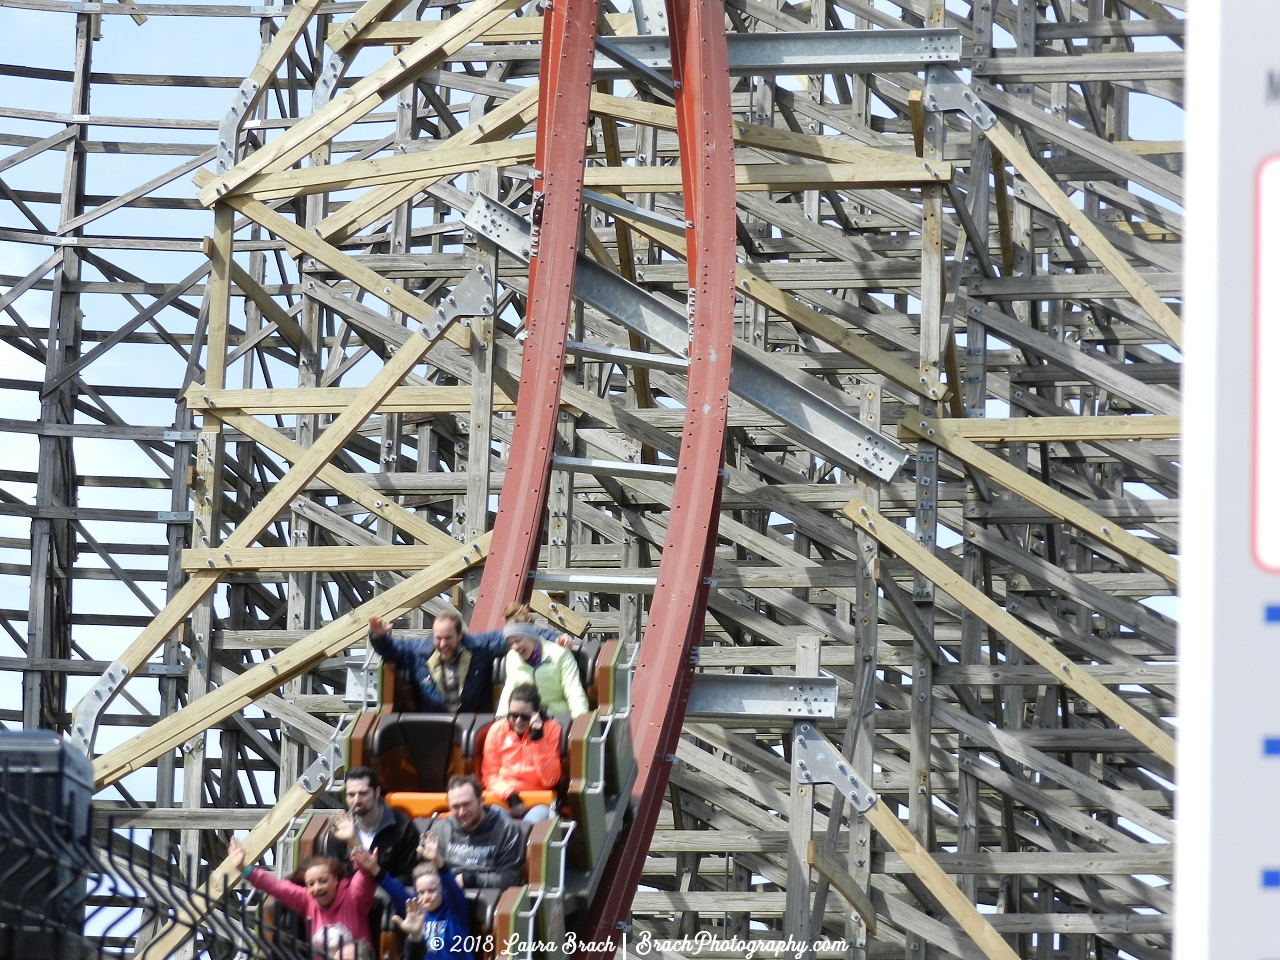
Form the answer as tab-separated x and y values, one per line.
206	515
53	541
867	620
932	293
797	924
481	427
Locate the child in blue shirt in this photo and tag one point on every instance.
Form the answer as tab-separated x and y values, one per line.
437	920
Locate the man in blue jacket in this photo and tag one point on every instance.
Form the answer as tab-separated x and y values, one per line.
452	671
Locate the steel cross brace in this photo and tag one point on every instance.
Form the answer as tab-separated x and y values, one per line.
804	403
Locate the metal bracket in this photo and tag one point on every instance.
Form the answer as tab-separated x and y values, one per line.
333	70
651	18
818	761
84	719
162	670
229	127
765	697
943	90
327	763
472	297
362	684
497	222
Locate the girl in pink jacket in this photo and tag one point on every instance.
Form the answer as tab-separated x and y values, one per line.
327	900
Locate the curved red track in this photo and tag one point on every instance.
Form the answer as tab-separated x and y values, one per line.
700	67
664	672
564	94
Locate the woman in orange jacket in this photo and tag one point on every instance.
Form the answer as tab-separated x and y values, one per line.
522	752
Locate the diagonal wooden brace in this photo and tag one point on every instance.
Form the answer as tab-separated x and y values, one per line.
896	539
329	641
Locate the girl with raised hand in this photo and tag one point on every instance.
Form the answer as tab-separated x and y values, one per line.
325	899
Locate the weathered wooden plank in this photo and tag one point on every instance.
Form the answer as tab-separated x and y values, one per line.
766	177
333	400
444	161
316	559
982	430
358	100
975	924
328	641
1086	230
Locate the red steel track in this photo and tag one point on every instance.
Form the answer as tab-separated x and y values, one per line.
664	672
564	94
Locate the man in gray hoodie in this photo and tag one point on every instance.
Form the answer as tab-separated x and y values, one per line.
481	845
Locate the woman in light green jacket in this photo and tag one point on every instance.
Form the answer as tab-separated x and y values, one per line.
547	665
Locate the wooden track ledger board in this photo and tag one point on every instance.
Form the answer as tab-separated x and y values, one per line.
1228	862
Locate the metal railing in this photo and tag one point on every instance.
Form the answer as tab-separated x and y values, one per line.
67	894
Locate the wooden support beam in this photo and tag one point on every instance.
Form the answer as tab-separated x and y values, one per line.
503	121
224	877
329	641
388	509
808	319
1062	429
333	400
363	97
879	166
352	31
1041	494
352	269
1078	221
838	877
896	834
313	559
766	177
445	161
289	486
800	925
893	537
283	320
276	51
518	30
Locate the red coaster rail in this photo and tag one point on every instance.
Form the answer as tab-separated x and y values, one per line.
564	95
664	672
700	72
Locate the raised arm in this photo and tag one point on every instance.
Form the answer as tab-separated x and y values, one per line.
291	895
406	652
455	900
396	890
490	643
363	886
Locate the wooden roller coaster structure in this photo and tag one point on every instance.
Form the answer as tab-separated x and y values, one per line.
940	696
